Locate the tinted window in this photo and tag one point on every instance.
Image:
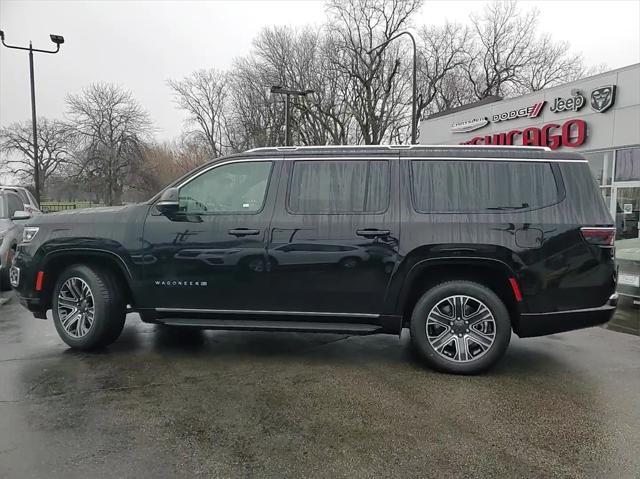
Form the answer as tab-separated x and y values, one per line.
32	201
15	204
354	186
472	186
22	194
232	188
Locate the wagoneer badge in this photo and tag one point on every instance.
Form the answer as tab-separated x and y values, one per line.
181	283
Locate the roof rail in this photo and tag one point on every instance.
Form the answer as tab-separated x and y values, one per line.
395	147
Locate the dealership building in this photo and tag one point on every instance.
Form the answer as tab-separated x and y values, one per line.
598	116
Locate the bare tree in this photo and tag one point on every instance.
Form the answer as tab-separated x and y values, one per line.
54	149
296	59
111	129
163	163
510	57
378	81
443	53
203	95
363	97
551	65
255	119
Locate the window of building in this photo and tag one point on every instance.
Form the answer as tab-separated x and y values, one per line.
476	186
354	186
601	164
628	164
627	212
233	188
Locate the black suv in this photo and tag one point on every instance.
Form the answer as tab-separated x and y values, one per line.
460	244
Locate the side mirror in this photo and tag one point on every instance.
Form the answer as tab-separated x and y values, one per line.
169	201
21	215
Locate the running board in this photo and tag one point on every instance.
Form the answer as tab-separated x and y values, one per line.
290	326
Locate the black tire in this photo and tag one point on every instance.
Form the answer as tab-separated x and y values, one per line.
468	365
109	307
5	284
4	279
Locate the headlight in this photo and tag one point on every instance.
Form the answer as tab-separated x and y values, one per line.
29	233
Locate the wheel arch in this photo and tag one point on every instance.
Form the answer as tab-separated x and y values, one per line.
56	262
490	272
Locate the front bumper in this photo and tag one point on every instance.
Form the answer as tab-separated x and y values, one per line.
541	324
21	278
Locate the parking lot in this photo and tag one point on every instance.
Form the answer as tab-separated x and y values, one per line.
166	403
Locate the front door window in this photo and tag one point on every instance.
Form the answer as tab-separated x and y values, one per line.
227	189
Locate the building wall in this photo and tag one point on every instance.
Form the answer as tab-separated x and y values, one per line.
617	126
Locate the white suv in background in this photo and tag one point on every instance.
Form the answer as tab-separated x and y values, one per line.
30	204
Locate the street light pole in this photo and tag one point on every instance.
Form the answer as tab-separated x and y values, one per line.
287	120
287	110
36	171
414	99
58	40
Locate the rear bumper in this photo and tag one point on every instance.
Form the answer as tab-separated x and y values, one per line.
541	324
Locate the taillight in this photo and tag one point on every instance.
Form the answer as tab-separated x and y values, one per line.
599	236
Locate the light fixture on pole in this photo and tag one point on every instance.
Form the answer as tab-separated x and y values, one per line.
287	113
58	40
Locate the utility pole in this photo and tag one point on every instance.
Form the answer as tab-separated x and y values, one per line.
58	40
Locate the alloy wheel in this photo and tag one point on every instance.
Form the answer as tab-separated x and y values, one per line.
461	328
76	308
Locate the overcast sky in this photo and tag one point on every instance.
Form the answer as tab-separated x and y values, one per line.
140	44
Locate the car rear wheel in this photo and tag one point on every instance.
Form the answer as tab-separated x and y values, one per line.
460	327
88	308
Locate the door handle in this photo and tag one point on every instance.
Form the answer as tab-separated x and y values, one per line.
372	232
243	232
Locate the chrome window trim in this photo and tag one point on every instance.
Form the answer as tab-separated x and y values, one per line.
223	163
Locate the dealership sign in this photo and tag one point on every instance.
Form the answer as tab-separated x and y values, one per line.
570	134
469	125
602	98
574	103
529	111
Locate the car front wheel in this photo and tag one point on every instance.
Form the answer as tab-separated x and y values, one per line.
88	309
460	327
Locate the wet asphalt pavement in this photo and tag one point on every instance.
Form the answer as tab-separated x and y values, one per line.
166	403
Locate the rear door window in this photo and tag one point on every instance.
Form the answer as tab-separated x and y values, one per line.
328	186
453	186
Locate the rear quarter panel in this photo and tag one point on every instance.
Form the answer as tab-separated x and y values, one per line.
543	248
